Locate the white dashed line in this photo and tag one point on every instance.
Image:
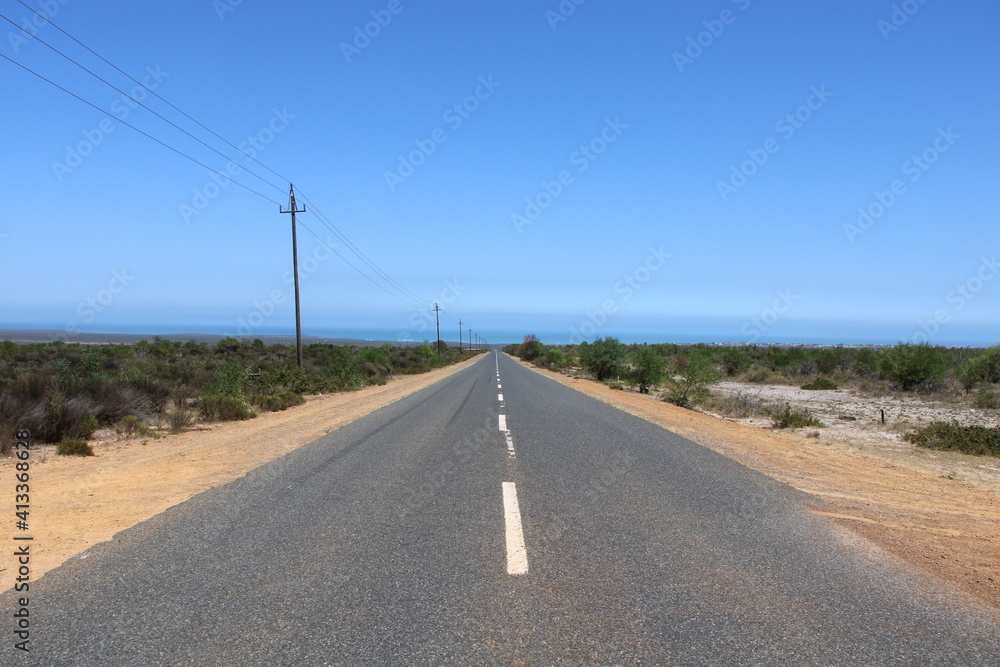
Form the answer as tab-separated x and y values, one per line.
503	422
517	554
510	445
500	397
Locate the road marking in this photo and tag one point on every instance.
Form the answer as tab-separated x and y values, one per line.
517	554
499	386
503	422
510	445
500	397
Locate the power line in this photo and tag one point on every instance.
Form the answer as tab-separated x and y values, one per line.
155	94
114	87
357	251
148	136
405	294
363	274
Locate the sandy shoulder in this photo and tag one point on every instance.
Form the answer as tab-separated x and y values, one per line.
78	502
949	527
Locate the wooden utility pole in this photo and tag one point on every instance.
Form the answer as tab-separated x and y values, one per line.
437	318
295	270
460	335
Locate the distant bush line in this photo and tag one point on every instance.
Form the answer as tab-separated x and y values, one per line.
685	373
63	393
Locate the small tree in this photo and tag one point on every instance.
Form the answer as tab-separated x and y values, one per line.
735	360
648	366
604	358
827	361
969	375
988	364
531	348
911	365
341	364
691	380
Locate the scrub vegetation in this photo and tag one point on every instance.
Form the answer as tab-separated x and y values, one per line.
63	393
684	375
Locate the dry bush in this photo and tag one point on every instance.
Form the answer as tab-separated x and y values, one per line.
740	405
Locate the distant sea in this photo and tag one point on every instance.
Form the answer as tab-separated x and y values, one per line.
986	338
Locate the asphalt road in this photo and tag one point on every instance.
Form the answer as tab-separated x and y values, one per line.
393	541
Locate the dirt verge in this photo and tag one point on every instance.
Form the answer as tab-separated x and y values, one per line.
78	502
949	527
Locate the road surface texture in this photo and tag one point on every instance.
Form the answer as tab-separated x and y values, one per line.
497	518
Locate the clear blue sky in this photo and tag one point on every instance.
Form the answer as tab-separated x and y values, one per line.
829	103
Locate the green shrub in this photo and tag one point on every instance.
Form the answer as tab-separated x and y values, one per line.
790	418
230	381
131	426
280	402
826	361
74	448
734	361
978	440
180	419
86	428
691	380
987	399
910	366
820	384
605	358
553	358
531	348
648	367
223	409
865	363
